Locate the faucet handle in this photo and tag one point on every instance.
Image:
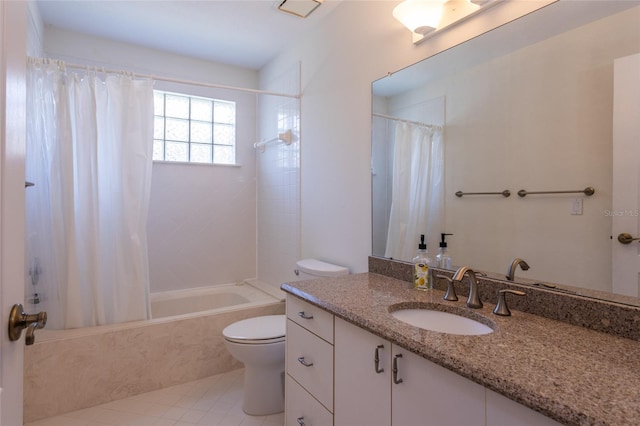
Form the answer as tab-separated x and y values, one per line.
450	295
501	307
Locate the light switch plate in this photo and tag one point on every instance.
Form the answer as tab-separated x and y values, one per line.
576	206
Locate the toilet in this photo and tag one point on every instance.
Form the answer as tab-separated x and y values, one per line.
259	343
312	268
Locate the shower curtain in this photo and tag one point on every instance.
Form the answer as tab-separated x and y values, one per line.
417	199
89	150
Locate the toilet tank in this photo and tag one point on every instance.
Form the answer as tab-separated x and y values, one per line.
307	269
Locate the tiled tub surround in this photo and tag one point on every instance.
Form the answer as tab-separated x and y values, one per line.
572	374
79	369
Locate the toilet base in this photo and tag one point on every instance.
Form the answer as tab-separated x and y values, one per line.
261	397
263	359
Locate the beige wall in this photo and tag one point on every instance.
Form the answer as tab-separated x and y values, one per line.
357	44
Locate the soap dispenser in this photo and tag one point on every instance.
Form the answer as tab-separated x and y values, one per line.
422	279
442	258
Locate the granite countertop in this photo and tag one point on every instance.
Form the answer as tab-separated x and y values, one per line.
569	373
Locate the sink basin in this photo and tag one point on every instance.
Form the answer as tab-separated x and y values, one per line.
443	322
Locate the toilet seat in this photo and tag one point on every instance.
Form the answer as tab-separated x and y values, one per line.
258	330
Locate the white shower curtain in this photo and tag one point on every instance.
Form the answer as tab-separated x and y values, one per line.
89	149
417	199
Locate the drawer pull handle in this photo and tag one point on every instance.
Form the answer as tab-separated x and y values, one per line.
303	362
376	360
304	316
395	369
300	421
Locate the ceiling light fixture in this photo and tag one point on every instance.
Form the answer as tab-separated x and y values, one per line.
300	8
424	17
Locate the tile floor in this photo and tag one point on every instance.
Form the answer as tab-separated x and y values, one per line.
214	401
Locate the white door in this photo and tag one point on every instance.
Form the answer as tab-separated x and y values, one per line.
12	143
625	210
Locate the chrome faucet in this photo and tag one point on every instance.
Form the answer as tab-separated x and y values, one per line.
473	301
511	272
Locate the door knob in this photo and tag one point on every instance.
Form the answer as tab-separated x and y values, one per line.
19	320
626	238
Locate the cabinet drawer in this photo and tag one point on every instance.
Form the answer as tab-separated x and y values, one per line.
310	317
302	408
317	375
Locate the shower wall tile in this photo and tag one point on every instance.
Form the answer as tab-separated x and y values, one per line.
278	183
69	374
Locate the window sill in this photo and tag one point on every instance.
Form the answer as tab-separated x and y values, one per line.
186	163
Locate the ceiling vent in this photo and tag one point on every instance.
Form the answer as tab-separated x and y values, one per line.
300	8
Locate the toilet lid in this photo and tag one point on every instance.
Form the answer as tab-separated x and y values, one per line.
320	268
265	329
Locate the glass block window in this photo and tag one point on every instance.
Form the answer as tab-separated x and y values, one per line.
194	130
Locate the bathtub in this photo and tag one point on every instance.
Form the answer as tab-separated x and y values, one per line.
67	370
219	298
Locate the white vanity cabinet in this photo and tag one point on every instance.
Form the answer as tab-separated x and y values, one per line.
432	395
302	409
502	411
309	365
427	394
332	378
362	386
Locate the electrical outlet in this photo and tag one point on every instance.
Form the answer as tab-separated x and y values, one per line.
576	206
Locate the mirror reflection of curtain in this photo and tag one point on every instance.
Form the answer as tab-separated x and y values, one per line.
417	200
89	147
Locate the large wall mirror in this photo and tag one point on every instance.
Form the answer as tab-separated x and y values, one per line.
527	106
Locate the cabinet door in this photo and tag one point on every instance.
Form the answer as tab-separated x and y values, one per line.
502	411
432	395
362	395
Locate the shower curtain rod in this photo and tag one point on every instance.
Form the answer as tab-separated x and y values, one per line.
406	121
180	81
